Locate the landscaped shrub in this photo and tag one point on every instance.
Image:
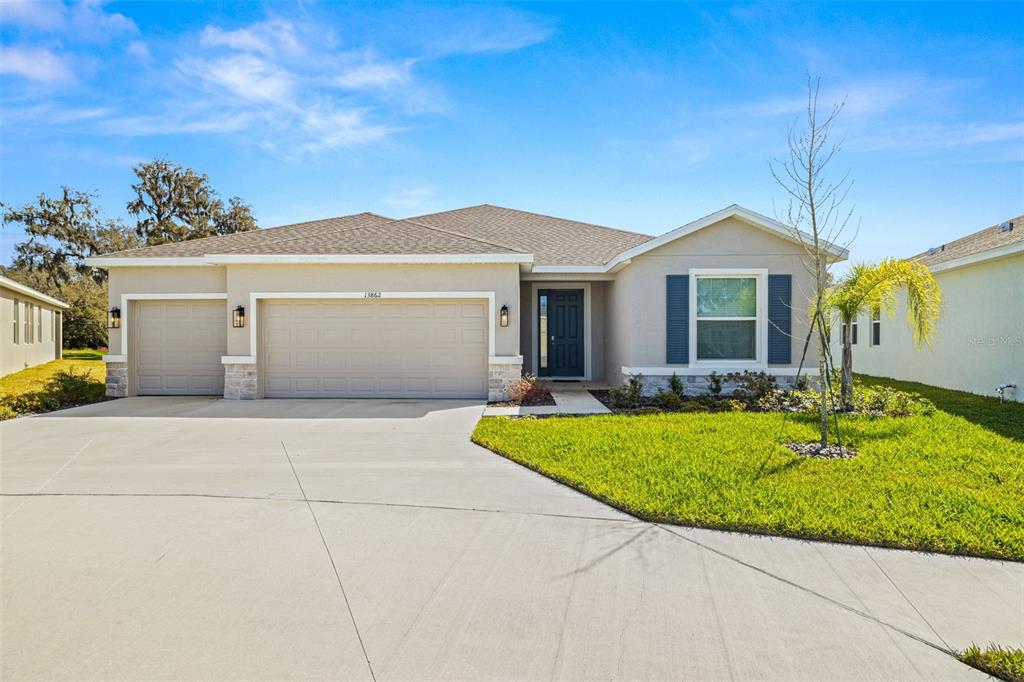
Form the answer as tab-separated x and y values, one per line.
675	384
670	401
889	402
752	385
526	391
715	384
630	395
71	388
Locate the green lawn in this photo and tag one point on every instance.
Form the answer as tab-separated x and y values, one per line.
1006	664
949	482
27	391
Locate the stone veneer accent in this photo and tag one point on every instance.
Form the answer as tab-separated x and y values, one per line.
117	379
501	373
698	384
240	381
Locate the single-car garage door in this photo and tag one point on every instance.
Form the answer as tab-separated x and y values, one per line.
402	348
179	347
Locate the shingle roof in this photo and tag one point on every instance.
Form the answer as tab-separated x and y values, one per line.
552	241
978	242
362	233
475	230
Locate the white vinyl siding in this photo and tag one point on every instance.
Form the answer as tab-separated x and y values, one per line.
407	348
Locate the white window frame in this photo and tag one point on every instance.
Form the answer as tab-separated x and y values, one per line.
39	323
876	318
17	322
854	332
760	276
29	336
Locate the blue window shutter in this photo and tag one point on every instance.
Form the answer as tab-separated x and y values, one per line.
677	321
780	318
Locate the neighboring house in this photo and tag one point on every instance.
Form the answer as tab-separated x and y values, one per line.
31	323
979	340
454	304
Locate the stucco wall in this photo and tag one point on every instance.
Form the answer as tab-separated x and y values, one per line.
237	281
160	280
637	298
979	341
16	357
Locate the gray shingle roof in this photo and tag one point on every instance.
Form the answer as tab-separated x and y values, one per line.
552	241
475	230
978	242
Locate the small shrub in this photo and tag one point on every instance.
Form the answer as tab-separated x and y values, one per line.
889	402
70	388
693	406
526	391
715	384
667	400
1006	664
753	385
628	396
734	405
675	384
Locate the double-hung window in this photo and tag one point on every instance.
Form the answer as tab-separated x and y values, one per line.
17	314
39	324
727	314
853	331
28	323
876	327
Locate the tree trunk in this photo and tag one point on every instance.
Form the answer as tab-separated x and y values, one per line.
822	383
847	381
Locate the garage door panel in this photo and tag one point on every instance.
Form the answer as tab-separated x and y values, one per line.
356	348
180	344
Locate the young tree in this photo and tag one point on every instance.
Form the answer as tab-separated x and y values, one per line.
175	204
61	232
867	288
815	209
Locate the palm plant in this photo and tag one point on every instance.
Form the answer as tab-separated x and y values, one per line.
867	288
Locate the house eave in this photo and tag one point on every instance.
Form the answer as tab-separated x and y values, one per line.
311	259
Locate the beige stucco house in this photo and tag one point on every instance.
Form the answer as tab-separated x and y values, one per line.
31	323
453	304
979	340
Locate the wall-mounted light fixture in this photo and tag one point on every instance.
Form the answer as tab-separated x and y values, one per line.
503	316
114	318
238	317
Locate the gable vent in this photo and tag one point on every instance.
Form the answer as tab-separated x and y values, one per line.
1006	227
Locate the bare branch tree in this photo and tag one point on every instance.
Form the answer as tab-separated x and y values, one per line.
816	213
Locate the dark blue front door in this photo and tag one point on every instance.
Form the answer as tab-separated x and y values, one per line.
560	332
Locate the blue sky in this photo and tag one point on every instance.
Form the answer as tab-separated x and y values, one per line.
639	116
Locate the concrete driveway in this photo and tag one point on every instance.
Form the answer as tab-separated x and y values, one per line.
166	538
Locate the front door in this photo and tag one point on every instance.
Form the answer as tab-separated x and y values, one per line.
560	333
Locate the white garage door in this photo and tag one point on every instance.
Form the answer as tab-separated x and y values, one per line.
375	349
179	346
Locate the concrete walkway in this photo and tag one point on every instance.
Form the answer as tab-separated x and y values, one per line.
202	539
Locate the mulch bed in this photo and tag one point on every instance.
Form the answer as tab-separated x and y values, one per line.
541	400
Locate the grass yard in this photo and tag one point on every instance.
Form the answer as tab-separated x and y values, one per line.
1006	664
33	390
949	482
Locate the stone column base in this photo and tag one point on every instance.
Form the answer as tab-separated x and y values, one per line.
502	371
117	379
239	379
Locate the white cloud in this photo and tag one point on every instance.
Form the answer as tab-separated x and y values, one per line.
33	13
88	21
244	75
265	37
375	75
477	29
36	64
328	128
139	50
940	136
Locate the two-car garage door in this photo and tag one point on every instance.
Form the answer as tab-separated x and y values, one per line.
359	348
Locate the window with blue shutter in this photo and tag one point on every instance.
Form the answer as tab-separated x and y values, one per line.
677	321
780	318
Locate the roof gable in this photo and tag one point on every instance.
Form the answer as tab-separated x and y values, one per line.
735	211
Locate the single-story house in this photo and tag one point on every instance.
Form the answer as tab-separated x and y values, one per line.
32	323
979	340
454	304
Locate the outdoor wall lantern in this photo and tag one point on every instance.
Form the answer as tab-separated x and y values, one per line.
238	317
114	318
503	316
